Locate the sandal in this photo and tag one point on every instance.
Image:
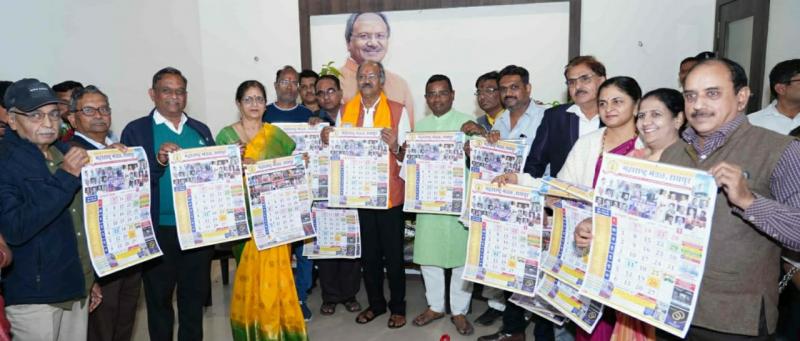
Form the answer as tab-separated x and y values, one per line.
396	321
366	316
426	317
462	325
352	305
327	308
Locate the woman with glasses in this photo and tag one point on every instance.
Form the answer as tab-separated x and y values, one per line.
264	303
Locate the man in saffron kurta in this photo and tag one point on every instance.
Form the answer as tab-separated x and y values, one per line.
381	230
441	241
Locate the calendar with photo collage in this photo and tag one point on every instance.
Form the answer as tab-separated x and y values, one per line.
652	225
504	242
280	201
307	140
338	233
358	170
116	209
435	172
209	196
581	310
487	161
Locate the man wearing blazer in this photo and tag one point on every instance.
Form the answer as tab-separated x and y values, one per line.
563	124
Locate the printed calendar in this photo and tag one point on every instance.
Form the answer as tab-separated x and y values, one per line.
208	195
539	307
116	209
505	237
563	259
280	201
487	161
435	173
338	233
307	140
565	298
358	170
652	224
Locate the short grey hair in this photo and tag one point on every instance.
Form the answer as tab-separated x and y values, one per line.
372	62
78	94
348	31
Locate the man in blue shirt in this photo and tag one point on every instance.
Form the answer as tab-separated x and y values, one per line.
285	108
522	116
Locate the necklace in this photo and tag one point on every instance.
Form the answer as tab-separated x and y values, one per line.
603	141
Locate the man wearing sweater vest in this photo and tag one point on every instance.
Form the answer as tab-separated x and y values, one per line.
756	213
167	129
381	230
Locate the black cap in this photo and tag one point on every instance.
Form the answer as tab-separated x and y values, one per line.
29	94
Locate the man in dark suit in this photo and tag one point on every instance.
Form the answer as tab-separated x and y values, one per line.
113	320
167	129
560	128
563	124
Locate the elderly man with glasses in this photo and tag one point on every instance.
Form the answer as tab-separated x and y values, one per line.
112	320
41	218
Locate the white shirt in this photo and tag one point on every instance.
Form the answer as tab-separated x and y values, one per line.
526	125
160	119
97	145
585	125
772	119
403	126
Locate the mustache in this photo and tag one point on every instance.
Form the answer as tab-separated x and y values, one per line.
366	85
701	113
509	97
581	92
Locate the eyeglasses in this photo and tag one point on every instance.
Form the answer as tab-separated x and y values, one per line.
171	92
286	83
250	100
711	93
38	116
325	93
792	81
91	111
486	91
370	36
443	93
370	76
582	80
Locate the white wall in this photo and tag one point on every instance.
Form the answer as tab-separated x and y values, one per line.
118	45
784	30
668	31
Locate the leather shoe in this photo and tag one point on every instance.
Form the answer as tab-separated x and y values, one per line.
500	336
488	317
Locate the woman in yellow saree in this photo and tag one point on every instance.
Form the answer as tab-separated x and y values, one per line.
264	304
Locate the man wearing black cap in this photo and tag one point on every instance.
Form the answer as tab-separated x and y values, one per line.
40	217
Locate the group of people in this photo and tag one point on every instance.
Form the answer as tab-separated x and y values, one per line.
52	293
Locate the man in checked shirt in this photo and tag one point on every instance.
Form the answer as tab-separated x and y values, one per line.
756	212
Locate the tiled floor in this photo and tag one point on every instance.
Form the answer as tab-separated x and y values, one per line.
340	326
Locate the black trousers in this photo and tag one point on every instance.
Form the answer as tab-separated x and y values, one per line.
190	271
339	279
113	319
514	322
382	247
